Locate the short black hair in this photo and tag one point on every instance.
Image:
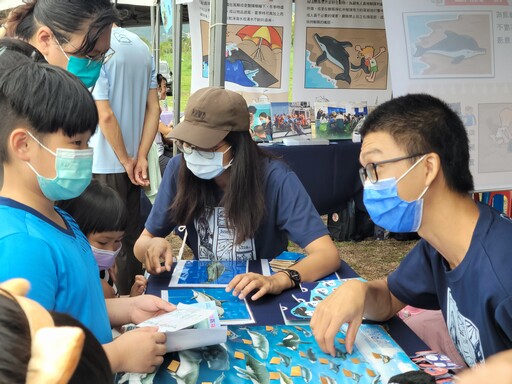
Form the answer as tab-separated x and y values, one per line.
21	47
98	209
42	98
263	114
251	109
160	78
420	123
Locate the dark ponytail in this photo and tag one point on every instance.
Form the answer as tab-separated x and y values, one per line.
63	18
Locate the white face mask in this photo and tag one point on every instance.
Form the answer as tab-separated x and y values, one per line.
205	168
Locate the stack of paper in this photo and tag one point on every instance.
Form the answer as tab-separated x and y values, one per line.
284	261
189	326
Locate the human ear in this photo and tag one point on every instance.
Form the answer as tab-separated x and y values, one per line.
19	144
43	39
432	167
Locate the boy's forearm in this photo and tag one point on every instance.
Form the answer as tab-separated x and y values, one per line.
118	311
380	304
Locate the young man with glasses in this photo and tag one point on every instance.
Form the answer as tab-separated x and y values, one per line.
415	158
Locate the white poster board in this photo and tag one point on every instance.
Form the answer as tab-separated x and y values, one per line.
258	44
340	52
460	51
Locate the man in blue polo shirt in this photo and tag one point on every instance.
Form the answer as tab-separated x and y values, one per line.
415	158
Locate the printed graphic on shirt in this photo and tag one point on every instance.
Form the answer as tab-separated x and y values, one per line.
217	242
464	333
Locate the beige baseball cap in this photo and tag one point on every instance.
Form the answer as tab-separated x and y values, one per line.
212	113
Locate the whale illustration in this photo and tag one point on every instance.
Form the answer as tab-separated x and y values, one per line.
458	47
334	51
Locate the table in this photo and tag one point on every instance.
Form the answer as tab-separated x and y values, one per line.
330	173
266	310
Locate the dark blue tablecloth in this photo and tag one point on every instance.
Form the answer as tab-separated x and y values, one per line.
266	310
328	172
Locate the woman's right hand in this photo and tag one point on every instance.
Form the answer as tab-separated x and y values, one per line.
140	350
158	250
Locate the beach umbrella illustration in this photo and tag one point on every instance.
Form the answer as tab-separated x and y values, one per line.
261	35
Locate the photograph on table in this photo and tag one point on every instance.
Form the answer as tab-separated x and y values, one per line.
291	119
346	58
231	309
287	354
207	273
337	120
260	122
449	45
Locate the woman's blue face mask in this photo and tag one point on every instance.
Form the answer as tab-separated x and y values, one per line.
86	69
388	210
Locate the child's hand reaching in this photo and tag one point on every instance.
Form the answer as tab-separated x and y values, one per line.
140	350
139	286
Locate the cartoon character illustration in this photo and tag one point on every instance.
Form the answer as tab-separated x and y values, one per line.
457	47
370	60
334	51
502	135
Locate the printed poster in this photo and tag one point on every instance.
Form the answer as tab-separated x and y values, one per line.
287	354
340	52
214	273
231	309
258	48
460	52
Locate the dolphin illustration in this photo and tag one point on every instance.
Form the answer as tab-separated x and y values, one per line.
458	47
259	342
255	370
334	51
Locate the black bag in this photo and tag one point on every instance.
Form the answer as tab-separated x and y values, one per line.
350	223
342	224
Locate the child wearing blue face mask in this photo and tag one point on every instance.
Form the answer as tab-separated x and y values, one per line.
45	157
102	216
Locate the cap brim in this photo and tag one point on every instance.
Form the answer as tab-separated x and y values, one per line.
197	135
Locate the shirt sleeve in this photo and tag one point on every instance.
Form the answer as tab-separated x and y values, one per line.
25	257
153	83
296	214
101	88
504	320
159	222
412	282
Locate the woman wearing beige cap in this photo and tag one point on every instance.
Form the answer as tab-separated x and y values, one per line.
237	202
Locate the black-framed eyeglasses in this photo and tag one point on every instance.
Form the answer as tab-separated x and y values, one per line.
369	171
101	58
189	148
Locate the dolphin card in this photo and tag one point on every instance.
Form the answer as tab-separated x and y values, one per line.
197	273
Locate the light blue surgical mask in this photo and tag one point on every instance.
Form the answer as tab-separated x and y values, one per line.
73	173
388	210
206	168
86	69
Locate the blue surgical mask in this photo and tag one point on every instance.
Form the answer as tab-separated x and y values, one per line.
205	168
85	69
388	210
73	173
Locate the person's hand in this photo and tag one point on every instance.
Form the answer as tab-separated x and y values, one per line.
140	350
497	370
159	249
140	172
147	306
139	286
129	166
243	284
344	305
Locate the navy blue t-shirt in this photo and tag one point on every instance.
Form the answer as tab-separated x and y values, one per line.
290	215
475	297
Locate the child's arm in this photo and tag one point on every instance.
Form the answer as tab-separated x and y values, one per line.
126	310
139	286
140	350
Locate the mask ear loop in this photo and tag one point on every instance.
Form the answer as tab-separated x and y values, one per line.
409	170
182	228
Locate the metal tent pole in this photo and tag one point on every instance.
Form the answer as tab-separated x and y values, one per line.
217	48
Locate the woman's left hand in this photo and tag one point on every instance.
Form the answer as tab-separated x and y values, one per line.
243	284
